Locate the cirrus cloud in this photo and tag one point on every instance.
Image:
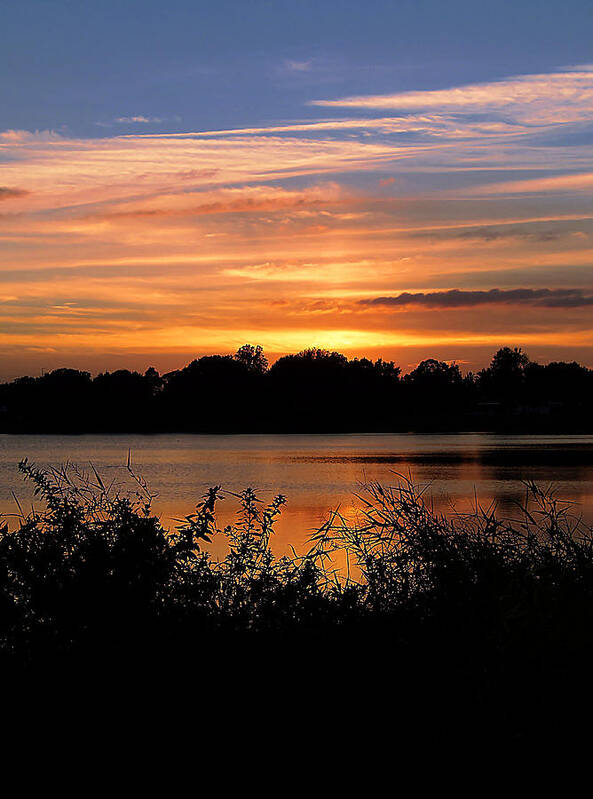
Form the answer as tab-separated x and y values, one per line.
547	98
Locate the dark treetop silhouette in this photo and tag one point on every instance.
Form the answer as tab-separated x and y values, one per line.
312	391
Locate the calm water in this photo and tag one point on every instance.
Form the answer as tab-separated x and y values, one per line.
316	472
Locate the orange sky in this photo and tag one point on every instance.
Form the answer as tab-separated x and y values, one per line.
151	249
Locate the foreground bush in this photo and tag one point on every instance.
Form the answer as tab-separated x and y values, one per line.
498	609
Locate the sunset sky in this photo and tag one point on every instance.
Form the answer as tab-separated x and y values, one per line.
385	178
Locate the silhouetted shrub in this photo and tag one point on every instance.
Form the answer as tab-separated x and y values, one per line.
468	624
96	570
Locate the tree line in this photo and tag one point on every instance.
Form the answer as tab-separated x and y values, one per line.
312	391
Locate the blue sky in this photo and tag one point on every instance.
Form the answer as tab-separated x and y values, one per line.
70	64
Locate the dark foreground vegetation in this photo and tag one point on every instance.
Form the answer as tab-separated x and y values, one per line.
472	622
313	391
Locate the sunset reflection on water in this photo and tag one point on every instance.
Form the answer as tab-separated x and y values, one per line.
317	473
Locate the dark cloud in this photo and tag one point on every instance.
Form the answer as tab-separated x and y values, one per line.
8	193
456	298
489	234
528	231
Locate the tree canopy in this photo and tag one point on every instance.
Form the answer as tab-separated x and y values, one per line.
314	390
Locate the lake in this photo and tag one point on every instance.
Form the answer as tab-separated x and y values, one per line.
316	472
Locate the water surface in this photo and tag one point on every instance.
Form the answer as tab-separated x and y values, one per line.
315	472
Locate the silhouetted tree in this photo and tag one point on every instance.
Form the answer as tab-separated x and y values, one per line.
313	390
434	392
123	399
154	380
433	375
215	392
253	358
505	377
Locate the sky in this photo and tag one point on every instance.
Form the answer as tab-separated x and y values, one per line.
391	179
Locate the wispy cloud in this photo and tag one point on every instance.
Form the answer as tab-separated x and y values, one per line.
235	200
298	66
436	124
137	119
547	98
582	181
63	172
20	137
